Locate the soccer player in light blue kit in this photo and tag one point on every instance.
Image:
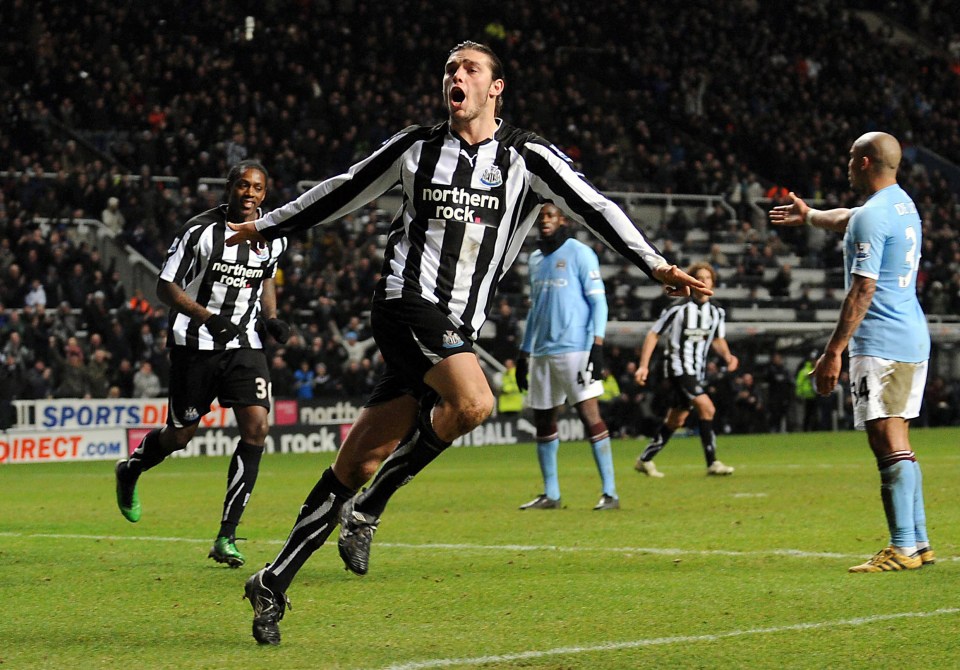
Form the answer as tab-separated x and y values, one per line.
884	324
564	340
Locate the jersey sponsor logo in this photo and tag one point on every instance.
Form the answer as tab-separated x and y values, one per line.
491	177
459	204
452	340
237	275
546	284
695	334
863	251
237	270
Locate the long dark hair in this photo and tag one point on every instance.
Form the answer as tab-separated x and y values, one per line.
496	65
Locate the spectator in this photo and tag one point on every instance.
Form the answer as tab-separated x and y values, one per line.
779	285
748	409
717	257
122	378
15	349
324	385
506	341
509	397
281	378
96	314
77	289
38	381
146	383
12	386
73	380
355	348
779	394
37	295
304	378
112	216
99	373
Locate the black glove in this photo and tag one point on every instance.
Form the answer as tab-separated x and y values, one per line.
279	329
595	362
522	372
221	328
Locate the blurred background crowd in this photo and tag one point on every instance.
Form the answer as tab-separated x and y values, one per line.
130	113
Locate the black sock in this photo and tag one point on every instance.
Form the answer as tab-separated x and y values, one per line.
148	454
241	478
420	447
319	515
657	443
708	438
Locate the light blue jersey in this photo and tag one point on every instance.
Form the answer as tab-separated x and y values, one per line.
569	304
883	242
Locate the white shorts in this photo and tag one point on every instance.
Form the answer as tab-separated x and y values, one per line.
554	379
882	388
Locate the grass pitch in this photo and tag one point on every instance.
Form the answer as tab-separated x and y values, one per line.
692	572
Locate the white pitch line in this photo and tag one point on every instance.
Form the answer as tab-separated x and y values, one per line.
657	551
652	642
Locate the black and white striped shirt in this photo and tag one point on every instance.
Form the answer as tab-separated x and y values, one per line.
689	329
225	280
466	211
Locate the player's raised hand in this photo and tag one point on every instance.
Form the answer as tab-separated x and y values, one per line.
678	283
794	214
245	232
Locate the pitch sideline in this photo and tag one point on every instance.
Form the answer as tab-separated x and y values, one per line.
652	642
657	551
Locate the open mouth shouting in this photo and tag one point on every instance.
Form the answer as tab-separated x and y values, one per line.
457	95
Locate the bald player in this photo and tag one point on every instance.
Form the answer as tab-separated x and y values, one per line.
883	323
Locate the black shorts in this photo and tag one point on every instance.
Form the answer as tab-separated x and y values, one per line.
413	336
683	390
234	376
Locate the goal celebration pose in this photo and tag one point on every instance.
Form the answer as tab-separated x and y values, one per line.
472	188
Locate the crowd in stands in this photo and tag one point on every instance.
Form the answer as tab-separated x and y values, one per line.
116	111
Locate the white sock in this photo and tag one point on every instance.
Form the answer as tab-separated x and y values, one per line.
906	551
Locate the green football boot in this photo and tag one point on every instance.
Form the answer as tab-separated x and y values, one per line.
127	499
225	550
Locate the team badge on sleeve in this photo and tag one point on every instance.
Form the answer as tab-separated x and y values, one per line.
863	251
452	340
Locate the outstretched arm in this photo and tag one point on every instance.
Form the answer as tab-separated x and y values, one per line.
555	180
798	213
334	197
678	283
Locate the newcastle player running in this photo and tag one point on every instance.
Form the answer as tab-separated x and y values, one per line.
692	329
472	188
217	295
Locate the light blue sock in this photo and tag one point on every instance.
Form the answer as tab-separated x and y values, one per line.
919	512
897	490
547	455
603	455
